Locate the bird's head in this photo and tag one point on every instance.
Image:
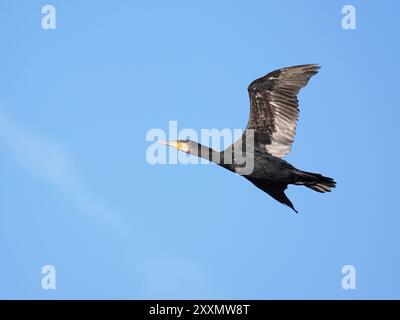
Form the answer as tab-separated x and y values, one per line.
187	146
193	148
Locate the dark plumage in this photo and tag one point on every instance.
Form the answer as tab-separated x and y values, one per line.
272	124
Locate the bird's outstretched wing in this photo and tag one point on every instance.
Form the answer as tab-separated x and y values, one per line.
275	189
274	107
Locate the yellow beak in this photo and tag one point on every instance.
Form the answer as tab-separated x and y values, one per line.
174	144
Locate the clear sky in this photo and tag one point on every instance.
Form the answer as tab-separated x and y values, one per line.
76	190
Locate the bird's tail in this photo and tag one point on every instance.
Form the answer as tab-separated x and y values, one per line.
315	181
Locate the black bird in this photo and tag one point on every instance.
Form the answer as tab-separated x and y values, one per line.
271	126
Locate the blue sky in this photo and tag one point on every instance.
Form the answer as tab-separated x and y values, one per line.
77	192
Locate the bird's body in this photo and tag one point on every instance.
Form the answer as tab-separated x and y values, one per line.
268	136
266	166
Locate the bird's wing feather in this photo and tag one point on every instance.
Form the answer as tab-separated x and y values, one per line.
275	189
274	107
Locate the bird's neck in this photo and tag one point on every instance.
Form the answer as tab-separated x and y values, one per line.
241	163
209	154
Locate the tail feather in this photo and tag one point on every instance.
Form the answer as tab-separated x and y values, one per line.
315	181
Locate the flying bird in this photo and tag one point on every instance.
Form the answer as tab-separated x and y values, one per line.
271	127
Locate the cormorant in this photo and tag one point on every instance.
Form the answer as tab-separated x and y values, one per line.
272	126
